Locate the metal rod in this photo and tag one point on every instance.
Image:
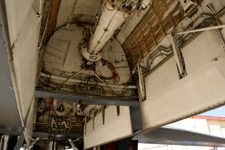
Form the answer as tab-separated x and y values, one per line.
40	7
101	84
50	146
202	29
70	78
74	147
6	140
33	143
1	144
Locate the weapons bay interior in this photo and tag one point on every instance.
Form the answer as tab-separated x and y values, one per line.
80	65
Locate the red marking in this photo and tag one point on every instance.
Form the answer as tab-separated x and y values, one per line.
131	146
208	118
79	25
111	67
51	101
116	62
50	16
110	146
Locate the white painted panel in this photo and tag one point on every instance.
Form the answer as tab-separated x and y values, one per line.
198	91
162	78
194	125
197	125
202	50
223	131
215	130
25	56
17	11
30	123
90	7
115	127
170	99
65	9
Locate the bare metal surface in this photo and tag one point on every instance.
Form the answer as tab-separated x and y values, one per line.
172	136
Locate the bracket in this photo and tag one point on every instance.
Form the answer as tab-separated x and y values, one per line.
51	145
178	57
4	142
33	143
141	83
72	144
85	124
20	142
219	33
118	110
103	114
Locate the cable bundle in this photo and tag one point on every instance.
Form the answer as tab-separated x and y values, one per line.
112	68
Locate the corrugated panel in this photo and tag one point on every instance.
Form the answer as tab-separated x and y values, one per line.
152	29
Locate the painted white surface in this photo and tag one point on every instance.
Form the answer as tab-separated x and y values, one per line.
112	52
115	127
202	50
110	20
162	78
17	11
223	131
170	99
30	123
24	27
82	10
25	56
62	50
215	130
90	6
65	10
194	125
202	89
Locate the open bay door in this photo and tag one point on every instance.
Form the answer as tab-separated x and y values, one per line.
111	123
173	94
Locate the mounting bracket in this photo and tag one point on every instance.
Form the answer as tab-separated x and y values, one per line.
141	83
178	57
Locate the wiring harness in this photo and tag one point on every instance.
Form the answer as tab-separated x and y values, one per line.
112	68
